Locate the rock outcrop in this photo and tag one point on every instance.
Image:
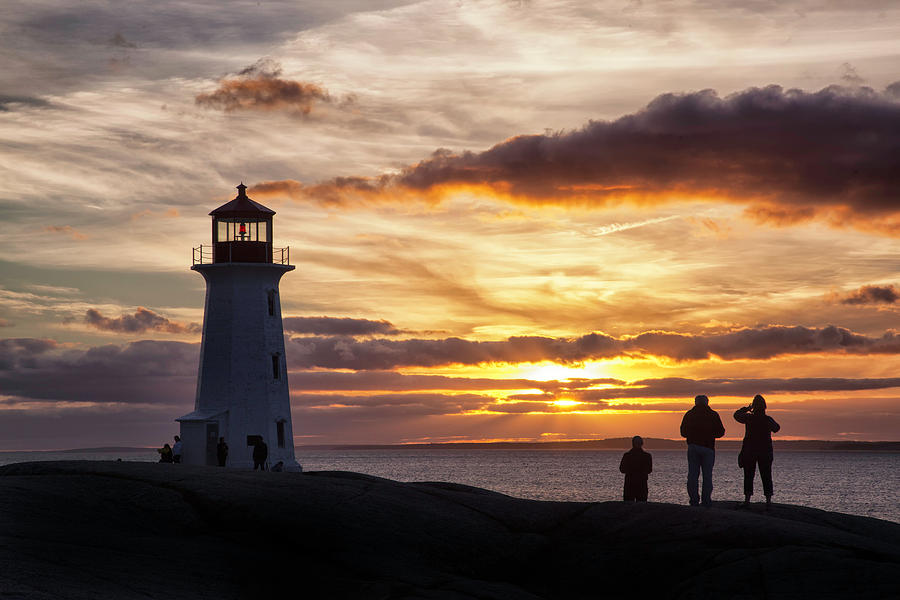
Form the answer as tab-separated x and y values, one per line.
123	530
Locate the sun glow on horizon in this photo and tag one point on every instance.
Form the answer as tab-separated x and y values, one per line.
565	402
551	371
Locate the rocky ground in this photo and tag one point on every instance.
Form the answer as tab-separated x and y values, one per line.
124	530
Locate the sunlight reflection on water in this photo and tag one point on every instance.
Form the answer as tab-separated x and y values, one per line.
860	483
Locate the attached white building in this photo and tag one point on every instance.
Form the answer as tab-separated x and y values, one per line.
242	384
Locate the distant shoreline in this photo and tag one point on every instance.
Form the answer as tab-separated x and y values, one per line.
605	444
619	444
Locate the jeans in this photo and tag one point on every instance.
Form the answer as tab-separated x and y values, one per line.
700	458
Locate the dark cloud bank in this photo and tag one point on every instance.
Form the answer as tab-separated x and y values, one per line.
758	343
338	326
141	321
149	372
161	372
872	294
144	320
789	155
8	103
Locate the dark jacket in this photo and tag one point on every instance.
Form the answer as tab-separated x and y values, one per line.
222	451
701	426
758	430
260	452
636	464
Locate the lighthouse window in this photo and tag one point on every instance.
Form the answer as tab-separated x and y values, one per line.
240	230
279	428
271	298
276	366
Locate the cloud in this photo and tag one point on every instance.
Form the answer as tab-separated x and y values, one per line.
871	294
119	41
420	404
133	392
259	87
760	343
590	398
22	351
67	230
338	326
142	320
148	372
340	191
264	67
61	45
893	90
850	75
790	156
678	387
6	323
391	404
393	381
8	103
164	372
64	427
264	93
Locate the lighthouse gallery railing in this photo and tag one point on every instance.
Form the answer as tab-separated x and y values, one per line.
203	255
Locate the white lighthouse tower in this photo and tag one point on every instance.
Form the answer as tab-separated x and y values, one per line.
242	384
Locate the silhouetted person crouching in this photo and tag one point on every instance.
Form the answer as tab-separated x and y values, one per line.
637	465
757	447
165	454
701	426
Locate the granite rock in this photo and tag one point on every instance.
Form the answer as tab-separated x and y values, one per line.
121	530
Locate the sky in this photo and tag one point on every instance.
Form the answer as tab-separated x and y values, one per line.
545	220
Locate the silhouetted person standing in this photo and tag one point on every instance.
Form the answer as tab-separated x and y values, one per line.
176	450
757	447
637	465
260	454
701	426
222	452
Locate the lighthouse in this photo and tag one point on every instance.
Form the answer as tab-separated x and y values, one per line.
242	383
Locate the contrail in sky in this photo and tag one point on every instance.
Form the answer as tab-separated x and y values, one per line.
616	227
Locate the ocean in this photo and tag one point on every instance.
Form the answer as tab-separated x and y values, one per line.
858	483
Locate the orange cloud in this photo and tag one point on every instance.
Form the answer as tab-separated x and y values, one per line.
789	156
259	87
264	93
67	230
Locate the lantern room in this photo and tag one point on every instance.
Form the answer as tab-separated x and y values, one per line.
242	231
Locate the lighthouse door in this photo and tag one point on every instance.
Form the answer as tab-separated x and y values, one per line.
212	439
